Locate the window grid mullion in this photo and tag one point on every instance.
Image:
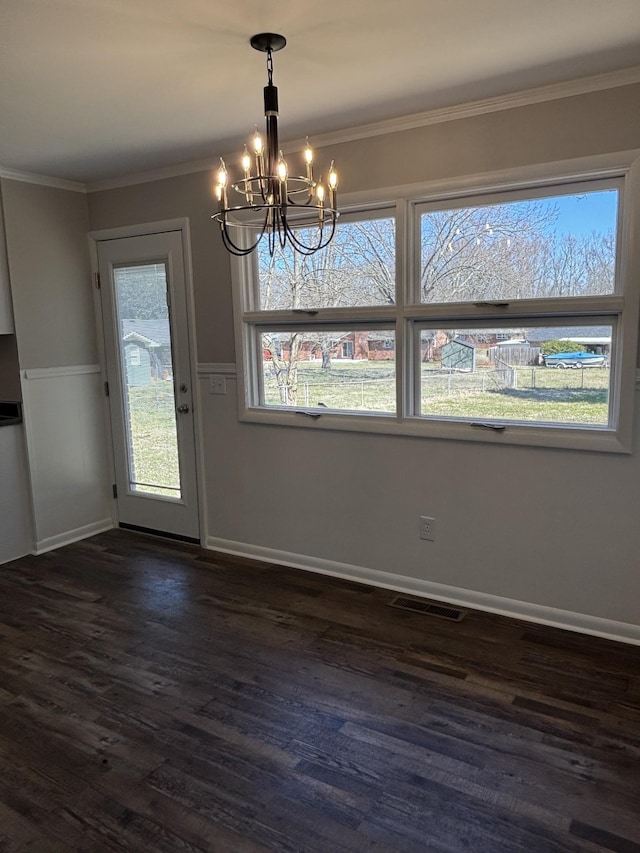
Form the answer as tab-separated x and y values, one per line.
592	306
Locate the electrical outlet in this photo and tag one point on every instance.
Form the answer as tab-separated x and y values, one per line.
427	528
217	385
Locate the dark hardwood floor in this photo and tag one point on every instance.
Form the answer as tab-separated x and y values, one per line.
158	697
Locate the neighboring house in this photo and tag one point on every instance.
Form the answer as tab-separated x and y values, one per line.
147	351
596	339
351	346
515	346
380	346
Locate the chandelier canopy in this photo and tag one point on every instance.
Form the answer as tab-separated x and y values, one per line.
283	208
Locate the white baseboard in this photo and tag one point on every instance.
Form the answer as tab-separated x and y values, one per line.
579	622
69	536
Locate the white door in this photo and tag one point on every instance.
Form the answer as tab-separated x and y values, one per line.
146	338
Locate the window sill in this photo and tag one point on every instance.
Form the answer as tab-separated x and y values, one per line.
601	440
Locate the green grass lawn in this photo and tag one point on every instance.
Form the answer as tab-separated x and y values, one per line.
154	451
542	394
568	407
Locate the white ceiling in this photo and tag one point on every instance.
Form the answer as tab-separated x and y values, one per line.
94	89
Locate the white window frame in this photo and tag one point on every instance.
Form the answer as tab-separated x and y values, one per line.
408	316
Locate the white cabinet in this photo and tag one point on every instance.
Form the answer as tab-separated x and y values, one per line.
15	504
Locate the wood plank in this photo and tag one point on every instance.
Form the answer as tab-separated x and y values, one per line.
156	697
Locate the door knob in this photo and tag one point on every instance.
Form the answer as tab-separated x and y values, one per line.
183	408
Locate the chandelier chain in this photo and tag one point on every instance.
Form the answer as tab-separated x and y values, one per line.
270	66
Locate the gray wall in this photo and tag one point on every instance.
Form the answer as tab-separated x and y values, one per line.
547	527
580	126
188	196
46	232
64	423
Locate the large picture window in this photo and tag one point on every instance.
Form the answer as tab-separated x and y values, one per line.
510	309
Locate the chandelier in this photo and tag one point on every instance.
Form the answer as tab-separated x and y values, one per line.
283	208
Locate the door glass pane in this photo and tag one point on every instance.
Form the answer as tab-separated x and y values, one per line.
146	373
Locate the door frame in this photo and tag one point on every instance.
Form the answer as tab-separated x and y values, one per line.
141	230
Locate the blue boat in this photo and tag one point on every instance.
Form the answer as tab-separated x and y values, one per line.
575	360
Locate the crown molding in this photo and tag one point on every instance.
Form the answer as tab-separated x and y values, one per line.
551	92
162	174
42	180
554	91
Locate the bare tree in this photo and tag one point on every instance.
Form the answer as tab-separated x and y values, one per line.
503	251
476	253
355	269
285	369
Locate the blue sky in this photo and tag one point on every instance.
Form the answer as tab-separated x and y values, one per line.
582	214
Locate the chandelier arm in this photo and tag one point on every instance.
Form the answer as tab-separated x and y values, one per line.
231	247
240	251
322	242
295	203
298	245
290	198
283	228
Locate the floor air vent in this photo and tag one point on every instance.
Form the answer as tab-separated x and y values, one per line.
419	605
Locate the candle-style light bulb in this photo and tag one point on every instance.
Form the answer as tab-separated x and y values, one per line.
333	178
257	147
320	192
282	168
221	189
308	153
308	159
223	176
333	186
246	166
246	162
